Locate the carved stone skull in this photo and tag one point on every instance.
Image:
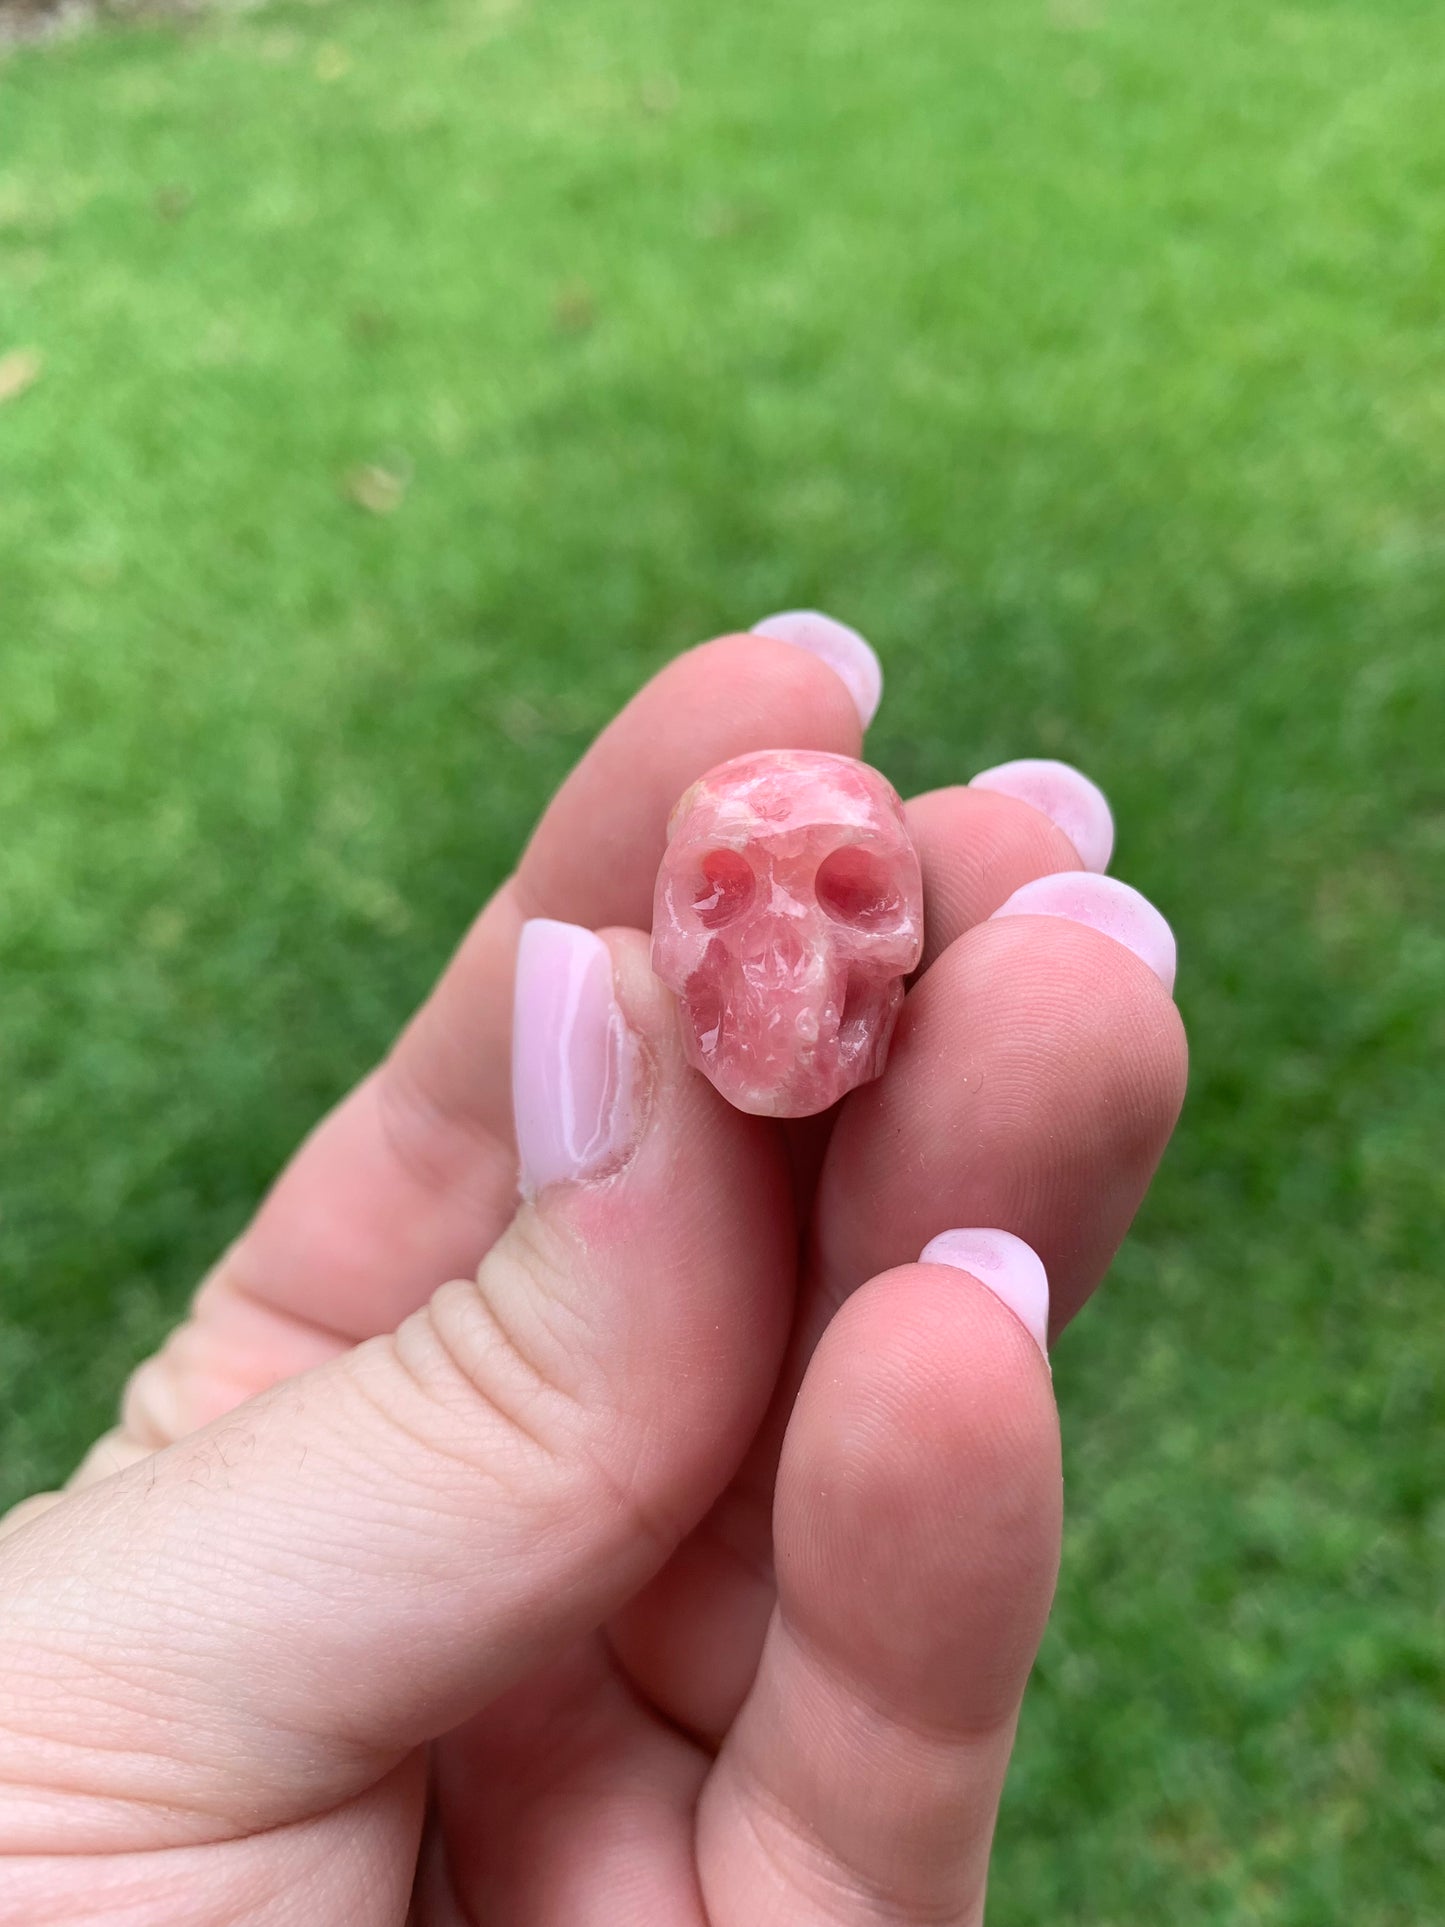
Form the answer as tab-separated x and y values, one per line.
789	908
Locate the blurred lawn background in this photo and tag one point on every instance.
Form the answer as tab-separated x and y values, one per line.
405	382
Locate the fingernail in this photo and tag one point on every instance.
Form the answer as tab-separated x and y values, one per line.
1012	1270
1104	904
573	1058
1066	796
842	648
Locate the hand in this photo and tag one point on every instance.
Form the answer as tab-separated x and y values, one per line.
687	1562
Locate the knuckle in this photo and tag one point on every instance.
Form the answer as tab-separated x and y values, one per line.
152	1406
474	1344
504	1374
27	1509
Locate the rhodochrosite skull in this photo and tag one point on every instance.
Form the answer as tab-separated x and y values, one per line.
789	908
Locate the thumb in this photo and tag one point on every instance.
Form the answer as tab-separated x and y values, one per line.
260	1619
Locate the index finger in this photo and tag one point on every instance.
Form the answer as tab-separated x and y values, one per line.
411	1178
594	857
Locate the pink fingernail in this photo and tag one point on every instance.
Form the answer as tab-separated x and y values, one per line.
842	648
573	1058
1066	797
1012	1270
1104	904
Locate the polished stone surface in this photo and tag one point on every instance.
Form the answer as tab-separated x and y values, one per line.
788	910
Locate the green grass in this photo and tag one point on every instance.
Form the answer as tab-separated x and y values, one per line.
1089	358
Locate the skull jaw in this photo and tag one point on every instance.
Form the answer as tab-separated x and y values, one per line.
789	1055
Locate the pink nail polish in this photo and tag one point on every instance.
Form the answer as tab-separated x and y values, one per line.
1104	904
1012	1270
1064	795
573	1058
842	648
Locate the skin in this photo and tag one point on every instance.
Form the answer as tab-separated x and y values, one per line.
685	1562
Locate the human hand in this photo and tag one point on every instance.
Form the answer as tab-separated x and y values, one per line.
687	1562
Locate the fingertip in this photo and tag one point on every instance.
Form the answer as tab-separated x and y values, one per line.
925	1441
846	652
1065	795
1012	1270
1103	904
921	1363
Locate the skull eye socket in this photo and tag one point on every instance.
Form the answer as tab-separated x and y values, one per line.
856	887
723	888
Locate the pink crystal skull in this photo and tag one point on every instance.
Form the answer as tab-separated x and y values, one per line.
789	909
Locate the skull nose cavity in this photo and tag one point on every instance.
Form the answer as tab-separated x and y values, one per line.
856	887
779	957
